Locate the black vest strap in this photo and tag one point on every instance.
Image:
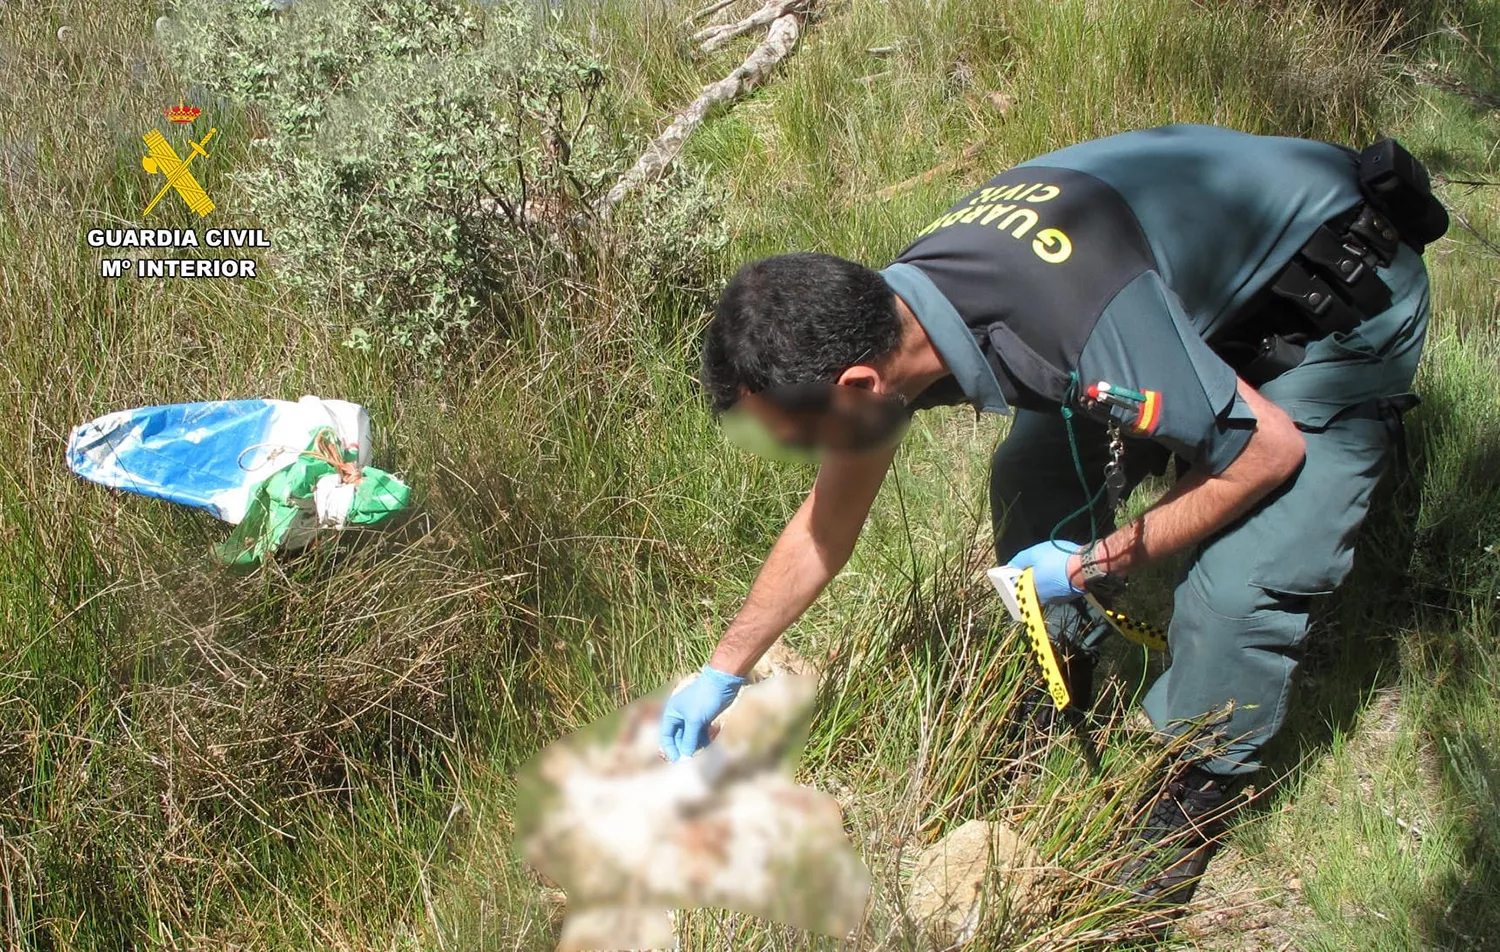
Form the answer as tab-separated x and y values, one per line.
1315	299
1330	286
1351	266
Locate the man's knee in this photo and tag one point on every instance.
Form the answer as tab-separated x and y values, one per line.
1234	650
1236	640
1234	599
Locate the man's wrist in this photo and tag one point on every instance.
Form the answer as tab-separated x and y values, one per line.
1089	565
717	674
731	662
1075	570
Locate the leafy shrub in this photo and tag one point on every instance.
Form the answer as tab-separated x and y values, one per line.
675	233
426	164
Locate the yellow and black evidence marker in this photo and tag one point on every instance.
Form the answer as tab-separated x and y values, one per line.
1017	588
1137	631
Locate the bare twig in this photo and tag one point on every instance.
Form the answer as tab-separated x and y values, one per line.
708	11
664	149
1471	183
942	168
1483	238
1436	80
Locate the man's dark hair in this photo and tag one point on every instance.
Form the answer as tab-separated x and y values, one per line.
796	319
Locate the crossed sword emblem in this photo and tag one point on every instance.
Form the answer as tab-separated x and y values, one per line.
163	159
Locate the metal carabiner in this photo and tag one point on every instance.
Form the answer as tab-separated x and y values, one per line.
1114	470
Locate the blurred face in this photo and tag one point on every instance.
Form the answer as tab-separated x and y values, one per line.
804	421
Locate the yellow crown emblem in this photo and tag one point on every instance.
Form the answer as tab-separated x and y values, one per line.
180	113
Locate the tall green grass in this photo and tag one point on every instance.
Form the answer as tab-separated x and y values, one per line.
316	755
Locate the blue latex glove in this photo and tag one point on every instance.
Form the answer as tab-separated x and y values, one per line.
685	719
1049	564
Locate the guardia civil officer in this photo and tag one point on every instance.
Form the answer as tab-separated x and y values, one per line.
1250	308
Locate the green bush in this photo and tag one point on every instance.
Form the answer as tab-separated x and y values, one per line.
674	234
426	164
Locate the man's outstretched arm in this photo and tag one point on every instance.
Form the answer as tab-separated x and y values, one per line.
811	550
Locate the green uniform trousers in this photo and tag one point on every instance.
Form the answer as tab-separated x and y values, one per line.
1241	609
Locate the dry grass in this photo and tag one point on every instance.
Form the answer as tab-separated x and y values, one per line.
317	755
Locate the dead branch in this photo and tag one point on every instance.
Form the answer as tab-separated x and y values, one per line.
1437	80
708	11
942	168
1483	238
1471	184
714	37
664	149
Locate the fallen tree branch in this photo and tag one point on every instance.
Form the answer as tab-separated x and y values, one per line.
713	37
664	149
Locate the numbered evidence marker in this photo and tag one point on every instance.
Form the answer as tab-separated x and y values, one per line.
1017	590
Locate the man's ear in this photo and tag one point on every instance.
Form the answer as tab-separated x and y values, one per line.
864	377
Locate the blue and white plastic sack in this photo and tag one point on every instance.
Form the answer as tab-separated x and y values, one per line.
218	455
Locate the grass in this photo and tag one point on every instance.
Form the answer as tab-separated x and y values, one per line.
316	755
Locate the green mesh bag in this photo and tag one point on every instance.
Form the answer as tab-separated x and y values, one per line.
284	508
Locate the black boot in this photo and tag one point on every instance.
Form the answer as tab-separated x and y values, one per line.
1036	707
1180	828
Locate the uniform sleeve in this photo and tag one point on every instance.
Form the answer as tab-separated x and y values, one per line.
1144	342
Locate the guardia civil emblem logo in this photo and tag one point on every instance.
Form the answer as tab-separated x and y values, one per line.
162	159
